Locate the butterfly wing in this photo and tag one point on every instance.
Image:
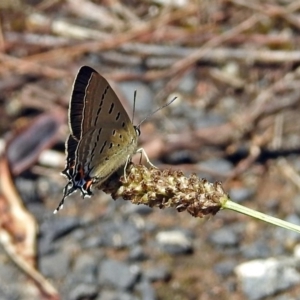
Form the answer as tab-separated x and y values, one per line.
105	151
101	138
107	136
71	146
93	99
77	102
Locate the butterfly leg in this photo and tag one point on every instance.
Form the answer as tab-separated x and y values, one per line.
126	165
143	152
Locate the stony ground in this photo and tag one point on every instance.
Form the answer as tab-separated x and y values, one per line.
234	66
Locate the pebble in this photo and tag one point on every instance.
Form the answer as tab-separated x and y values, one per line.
179	157
224	237
174	242
118	274
86	268
8	288
242	194
52	230
187	82
55	265
258	249
290	237
56	228
262	278
296	204
157	273
146	290
137	254
141	209
83	291
93	242
222	166
119	234
111	295
225	268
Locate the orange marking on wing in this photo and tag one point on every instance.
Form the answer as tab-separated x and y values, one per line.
88	184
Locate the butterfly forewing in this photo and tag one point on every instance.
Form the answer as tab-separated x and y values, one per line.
107	134
101	104
77	102
102	137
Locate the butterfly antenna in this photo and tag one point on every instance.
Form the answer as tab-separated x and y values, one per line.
154	112
133	111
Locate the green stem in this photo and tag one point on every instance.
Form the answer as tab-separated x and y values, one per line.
258	215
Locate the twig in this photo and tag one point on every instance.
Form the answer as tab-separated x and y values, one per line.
19	240
289	171
185	63
272	10
161	56
118	39
27	67
63	28
96	13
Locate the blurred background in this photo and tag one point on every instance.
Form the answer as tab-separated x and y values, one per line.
234	66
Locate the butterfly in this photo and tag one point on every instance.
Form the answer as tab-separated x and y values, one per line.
102	137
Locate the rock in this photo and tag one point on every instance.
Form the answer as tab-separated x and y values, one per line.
58	227
55	265
240	195
137	254
86	268
157	273
141	209
296	204
146	290
222	166
225	268
174	242
187	83
118	274
107	295
93	242
120	234
83	291
263	278
225	237
10	275
290	237
110	295
258	249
